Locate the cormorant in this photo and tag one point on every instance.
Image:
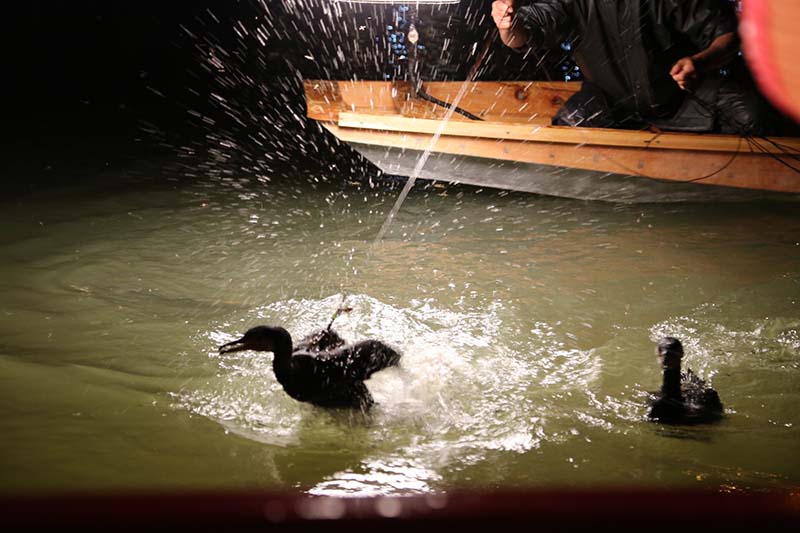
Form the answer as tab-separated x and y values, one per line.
321	370
684	398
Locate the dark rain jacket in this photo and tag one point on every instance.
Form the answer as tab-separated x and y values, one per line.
627	47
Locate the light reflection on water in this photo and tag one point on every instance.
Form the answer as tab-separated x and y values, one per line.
527	326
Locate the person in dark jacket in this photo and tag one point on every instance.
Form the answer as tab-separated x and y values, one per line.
644	62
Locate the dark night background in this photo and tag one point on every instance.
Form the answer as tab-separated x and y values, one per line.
92	83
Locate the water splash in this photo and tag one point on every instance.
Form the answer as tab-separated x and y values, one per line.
462	391
428	150
421	163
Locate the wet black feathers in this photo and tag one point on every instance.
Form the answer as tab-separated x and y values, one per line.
356	362
320	341
321	369
698	403
335	378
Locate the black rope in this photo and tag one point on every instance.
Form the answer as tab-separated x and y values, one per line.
741	131
785	147
755	143
421	93
720	169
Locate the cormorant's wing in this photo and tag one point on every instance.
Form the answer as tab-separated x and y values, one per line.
698	394
355	362
320	341
711	400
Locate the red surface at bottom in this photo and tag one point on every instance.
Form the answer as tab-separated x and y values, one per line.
561	510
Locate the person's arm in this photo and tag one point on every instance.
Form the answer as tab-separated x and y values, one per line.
709	24
512	34
721	50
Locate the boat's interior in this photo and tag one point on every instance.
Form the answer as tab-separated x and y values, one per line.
514	110
510	102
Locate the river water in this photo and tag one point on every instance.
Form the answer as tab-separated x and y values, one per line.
527	325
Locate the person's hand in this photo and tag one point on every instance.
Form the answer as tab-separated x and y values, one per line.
684	72
503	14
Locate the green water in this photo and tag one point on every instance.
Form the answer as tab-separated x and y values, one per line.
527	325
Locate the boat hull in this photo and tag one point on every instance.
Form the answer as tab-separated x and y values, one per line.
552	180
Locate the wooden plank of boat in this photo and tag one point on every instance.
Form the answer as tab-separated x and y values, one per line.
538	132
519	102
495	101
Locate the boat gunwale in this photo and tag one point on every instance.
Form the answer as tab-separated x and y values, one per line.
384	106
705	142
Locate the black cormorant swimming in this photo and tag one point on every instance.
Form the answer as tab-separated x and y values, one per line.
322	370
684	398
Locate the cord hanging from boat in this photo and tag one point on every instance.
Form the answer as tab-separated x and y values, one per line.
752	140
410	183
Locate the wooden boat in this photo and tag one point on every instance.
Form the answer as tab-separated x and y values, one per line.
514	147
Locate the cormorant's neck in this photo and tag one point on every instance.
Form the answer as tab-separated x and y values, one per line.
282	362
671	385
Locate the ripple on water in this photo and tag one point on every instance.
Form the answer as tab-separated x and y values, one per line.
754	327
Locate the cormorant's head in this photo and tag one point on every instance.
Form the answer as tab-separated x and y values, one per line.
260	339
669	352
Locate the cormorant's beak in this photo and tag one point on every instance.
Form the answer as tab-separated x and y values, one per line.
238	345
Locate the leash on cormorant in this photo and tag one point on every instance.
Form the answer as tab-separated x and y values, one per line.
420	92
341	308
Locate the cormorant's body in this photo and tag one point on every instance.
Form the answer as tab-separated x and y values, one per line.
684	398
321	369
694	403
